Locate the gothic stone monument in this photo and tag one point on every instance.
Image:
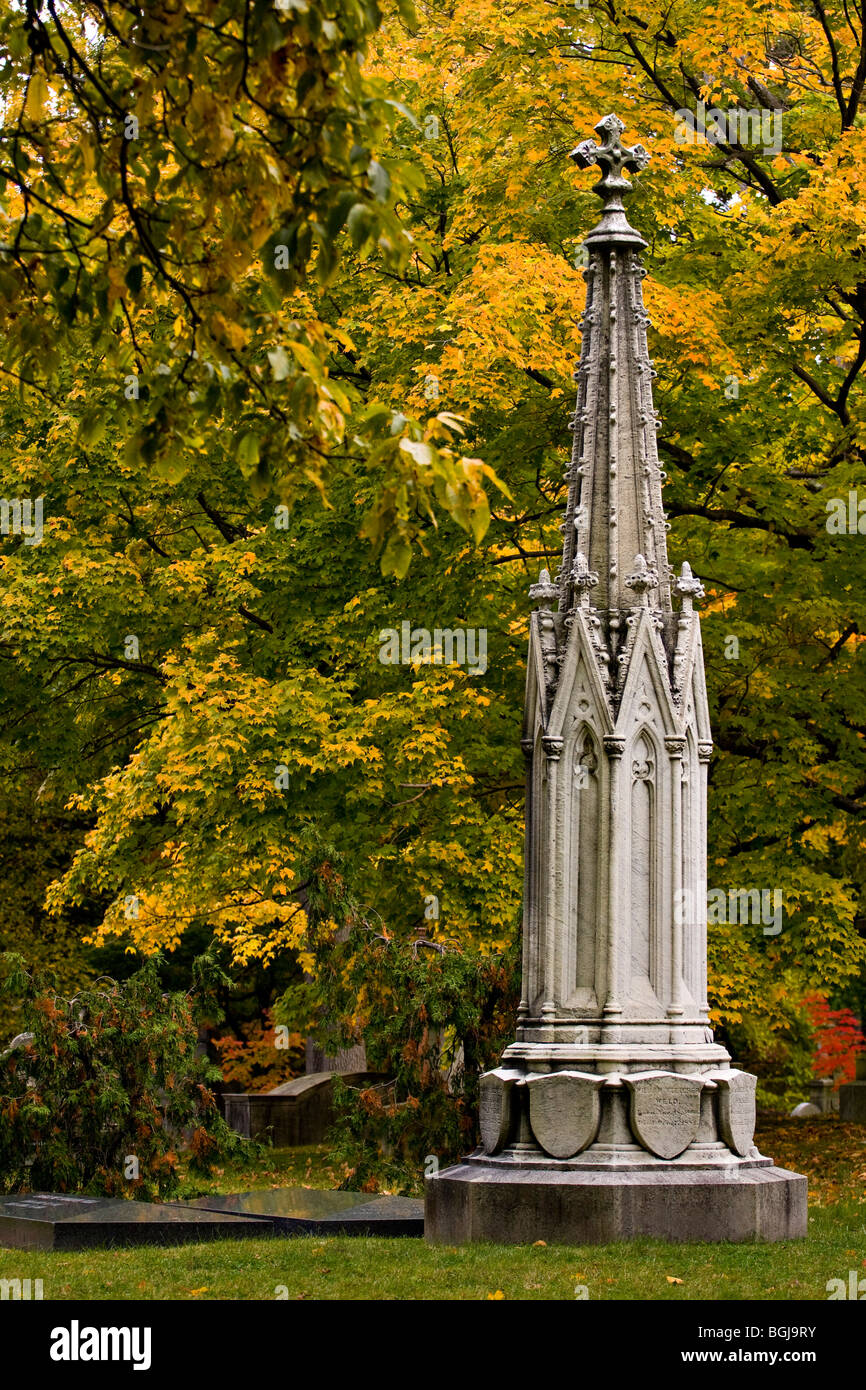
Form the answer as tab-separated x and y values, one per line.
614	1114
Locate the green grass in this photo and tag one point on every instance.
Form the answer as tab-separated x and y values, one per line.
343	1267
300	1167
346	1267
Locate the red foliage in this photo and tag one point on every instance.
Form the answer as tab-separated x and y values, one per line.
837	1040
253	1062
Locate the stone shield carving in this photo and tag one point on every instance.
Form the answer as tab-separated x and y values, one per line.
494	1110
564	1111
737	1109
665	1110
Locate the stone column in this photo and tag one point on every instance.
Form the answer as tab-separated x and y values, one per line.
614	747
552	748
675	748
705	752
528	889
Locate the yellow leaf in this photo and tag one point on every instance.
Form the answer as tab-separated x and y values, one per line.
37	91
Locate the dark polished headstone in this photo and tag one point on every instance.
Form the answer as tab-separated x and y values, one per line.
53	1221
310	1211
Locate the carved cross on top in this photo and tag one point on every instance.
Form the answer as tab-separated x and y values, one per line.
613	157
611	154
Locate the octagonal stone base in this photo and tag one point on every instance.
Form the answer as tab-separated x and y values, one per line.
481	1200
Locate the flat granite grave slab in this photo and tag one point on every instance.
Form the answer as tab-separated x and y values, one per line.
52	1221
311	1211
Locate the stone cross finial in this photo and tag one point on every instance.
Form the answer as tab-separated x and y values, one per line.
613	157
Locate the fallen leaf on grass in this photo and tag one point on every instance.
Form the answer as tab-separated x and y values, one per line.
495	1297
672	1280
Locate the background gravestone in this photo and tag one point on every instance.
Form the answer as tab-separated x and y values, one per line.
296	1112
52	1221
852	1097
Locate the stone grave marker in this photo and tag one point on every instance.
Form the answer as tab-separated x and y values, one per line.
55	1221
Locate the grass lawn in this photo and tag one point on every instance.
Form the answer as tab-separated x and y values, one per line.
831	1154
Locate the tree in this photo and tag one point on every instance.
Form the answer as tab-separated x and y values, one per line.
109	1086
174	179
257	755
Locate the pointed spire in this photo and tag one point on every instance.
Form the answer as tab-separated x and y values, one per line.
614	509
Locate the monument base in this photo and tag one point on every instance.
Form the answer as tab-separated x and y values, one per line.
480	1200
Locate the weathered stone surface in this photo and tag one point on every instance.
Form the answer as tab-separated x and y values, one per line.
494	1117
478	1201
852	1102
617	739
616	729
665	1111
737	1109
821	1093
297	1112
564	1111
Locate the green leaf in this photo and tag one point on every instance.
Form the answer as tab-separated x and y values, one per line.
358	225
396	556
248	452
405	111
91	427
380	180
133	277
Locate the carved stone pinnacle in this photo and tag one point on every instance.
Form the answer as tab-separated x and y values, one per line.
643	579
545	589
613	157
689	586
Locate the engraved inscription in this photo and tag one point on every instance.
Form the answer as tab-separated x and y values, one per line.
665	1110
